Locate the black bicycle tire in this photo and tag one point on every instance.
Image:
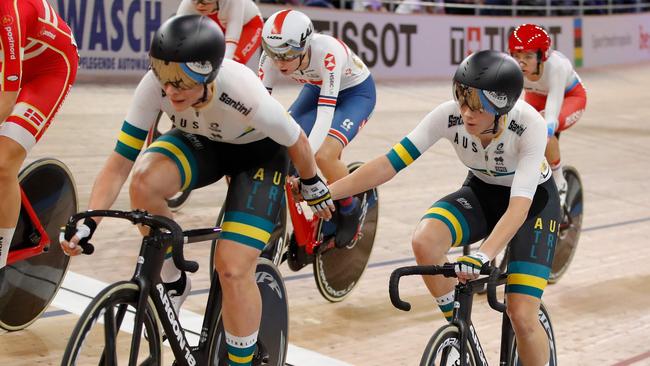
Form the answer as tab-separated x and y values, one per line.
568	239
545	319
123	292
337	271
271	313
49	268
442	338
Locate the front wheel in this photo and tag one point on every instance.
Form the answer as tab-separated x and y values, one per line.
28	286
443	348
545	320
337	271
570	227
272	340
103	333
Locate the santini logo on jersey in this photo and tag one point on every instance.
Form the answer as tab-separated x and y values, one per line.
516	128
240	107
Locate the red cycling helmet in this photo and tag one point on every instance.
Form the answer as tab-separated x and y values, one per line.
530	38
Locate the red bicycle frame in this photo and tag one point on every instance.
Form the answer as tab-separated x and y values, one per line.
306	230
44	239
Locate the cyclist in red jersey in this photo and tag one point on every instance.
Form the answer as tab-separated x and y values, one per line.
240	21
38	67
552	87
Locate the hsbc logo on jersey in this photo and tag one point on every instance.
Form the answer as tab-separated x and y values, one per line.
330	62
466	40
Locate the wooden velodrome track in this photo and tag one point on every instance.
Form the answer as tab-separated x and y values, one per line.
600	309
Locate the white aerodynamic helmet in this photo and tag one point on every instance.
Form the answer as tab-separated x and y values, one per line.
286	35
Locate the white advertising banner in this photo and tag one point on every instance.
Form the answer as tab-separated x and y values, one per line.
114	37
614	40
424	46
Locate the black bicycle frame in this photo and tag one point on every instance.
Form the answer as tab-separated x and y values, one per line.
147	277
464	297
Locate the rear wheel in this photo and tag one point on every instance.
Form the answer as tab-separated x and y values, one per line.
337	271
272	339
548	328
443	349
103	333
570	227
27	287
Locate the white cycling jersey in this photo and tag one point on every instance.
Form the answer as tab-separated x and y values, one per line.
557	78
514	158
231	17
241	110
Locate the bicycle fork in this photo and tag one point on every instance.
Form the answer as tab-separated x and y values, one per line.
467	332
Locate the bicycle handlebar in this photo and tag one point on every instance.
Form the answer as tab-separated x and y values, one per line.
447	270
155	222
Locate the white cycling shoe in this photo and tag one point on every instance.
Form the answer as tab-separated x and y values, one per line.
175	297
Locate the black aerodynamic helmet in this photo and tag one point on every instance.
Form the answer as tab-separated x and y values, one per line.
187	50
488	80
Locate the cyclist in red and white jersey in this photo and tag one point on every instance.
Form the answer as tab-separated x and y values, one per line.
240	20
336	101
552	87
225	123
508	197
38	67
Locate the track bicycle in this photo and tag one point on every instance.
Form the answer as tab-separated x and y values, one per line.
336	270
570	228
122	324
36	264
459	336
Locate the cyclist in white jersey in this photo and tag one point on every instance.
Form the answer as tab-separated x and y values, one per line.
508	196
336	101
552	87
225	124
240	20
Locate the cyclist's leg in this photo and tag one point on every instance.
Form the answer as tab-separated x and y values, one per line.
252	206
22	129
529	266
454	220
176	160
249	40
354	108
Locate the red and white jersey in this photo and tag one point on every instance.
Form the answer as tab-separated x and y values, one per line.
231	16
558	77
332	66
28	28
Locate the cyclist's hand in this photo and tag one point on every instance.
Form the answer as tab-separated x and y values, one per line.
84	233
318	197
468	267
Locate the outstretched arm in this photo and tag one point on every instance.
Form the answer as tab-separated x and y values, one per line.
369	175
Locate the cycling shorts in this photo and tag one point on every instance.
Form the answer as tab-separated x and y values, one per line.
573	106
353	109
472	212
45	83
256	190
